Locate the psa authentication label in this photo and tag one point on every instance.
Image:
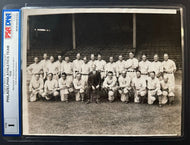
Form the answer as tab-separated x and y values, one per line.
10	78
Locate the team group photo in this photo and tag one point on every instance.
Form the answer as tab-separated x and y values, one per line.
143	80
102	74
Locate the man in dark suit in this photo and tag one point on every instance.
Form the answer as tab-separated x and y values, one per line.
94	85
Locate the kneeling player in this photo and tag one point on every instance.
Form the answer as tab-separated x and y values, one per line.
80	87
139	87
36	88
153	85
50	88
167	91
65	87
124	87
110	85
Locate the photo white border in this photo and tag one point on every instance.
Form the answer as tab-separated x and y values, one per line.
34	11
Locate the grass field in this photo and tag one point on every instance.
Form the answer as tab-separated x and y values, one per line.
106	118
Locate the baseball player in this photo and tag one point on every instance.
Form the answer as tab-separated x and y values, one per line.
110	66
52	68
124	86
91	63
153	86
85	69
68	69
120	65
50	88
36	88
169	68
77	63
139	87
156	66
110	85
65	87
144	65
34	68
80	87
100	66
59	65
131	65
44	63
167	92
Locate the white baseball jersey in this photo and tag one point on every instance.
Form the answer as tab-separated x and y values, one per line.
52	68
34	68
67	67
169	66
120	66
62	83
77	65
156	66
131	64
153	84
124	82
59	66
50	85
79	84
43	64
111	83
164	85
139	83
144	66
85	68
36	84
100	65
91	63
110	67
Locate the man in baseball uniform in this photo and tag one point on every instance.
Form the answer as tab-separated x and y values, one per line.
124	86
120	65
169	68
94	85
80	87
167	92
34	68
100	66
144	65
59	65
85	69
110	66
92	61
156	66
50	88
131	65
153	86
110	85
139	87
68	69
52	68
65	87
77	63
44	63
36	88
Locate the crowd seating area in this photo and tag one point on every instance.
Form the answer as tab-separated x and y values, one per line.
159	47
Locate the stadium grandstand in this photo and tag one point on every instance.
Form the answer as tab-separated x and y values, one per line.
108	34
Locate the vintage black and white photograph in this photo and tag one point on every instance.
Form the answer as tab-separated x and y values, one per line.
102	71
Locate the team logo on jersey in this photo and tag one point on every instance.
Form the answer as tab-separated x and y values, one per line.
8	25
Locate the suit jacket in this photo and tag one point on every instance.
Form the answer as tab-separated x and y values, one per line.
94	79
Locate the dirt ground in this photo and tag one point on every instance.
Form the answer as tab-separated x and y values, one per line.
106	118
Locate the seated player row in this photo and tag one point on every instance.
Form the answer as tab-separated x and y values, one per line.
90	85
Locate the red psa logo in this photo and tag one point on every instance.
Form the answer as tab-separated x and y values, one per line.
7	32
8	25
